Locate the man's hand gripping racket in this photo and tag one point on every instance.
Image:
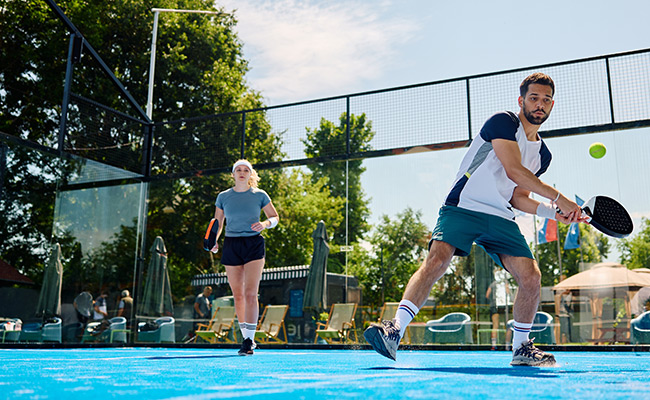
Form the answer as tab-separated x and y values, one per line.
608	216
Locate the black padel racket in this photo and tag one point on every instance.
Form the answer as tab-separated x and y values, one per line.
608	216
210	238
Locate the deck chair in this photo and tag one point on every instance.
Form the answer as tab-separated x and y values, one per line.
219	327
640	329
388	311
339	324
542	330
49	331
72	332
114	331
87	333
271	324
452	328
165	333
10	330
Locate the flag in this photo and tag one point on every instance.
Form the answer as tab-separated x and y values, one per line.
547	232
572	240
526	224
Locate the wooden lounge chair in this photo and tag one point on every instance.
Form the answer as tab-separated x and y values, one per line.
271	324
388	311
339	324
219	327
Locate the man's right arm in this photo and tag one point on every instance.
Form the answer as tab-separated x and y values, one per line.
508	153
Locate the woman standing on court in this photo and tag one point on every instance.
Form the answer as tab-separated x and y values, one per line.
243	247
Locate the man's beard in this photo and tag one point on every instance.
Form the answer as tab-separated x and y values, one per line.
533	119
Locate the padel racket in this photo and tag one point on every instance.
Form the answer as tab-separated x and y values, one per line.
210	238
608	216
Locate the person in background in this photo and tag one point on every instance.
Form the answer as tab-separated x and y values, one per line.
125	307
491	296
101	307
83	305
203	306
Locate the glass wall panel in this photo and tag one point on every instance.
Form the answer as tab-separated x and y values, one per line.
55	212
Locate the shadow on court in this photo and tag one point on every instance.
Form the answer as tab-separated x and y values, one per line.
533	372
184	357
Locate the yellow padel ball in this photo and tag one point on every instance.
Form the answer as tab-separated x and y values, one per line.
597	150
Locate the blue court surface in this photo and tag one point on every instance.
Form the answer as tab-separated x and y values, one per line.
162	373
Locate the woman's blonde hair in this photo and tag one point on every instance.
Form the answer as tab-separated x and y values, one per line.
254	179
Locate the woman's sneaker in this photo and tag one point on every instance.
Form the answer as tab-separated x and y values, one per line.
384	338
529	355
247	347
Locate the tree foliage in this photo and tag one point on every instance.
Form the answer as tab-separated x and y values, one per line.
635	251
343	177
397	248
593	248
457	285
200	70
301	204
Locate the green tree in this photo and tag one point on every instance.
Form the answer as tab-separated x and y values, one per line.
344	178
27	197
301	204
398	247
200	70
593	248
635	251
457	286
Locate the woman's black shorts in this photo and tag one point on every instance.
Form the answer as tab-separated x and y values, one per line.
242	250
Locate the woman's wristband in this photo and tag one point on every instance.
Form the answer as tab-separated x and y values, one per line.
274	221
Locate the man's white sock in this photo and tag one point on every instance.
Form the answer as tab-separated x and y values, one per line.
522	330
405	314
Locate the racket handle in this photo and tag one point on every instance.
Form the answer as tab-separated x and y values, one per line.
585	213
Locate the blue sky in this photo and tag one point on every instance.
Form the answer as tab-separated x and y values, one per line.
304	50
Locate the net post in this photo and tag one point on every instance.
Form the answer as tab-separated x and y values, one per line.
147	149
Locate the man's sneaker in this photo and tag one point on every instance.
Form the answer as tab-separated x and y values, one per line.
247	347
529	355
384	338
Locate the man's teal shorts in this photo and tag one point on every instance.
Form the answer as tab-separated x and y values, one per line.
460	228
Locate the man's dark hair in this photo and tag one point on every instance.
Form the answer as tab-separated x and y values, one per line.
539	78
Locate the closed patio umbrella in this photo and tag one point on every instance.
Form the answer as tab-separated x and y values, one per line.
49	300
157	296
315	294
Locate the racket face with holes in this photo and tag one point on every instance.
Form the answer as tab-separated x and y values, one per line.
609	216
210	238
